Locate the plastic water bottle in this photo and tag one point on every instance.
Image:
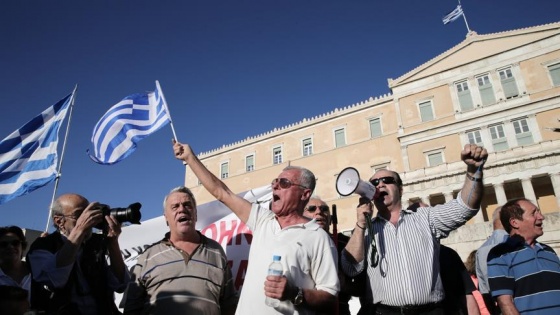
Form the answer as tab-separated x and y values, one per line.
274	269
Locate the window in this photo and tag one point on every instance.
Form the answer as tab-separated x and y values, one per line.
486	90
508	83
224	170
307	147
474	137
499	141
377	167
522	132
465	98
554	71
426	113
277	155
249	163
339	138
435	158
375	127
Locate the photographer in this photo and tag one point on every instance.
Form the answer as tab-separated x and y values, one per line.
70	274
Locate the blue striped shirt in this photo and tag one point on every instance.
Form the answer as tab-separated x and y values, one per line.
530	274
408	269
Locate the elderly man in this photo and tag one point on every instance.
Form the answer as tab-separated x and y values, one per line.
400	247
69	268
309	283
186	272
524	275
318	210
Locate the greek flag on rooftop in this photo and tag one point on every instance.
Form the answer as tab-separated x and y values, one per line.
28	157
134	118
453	15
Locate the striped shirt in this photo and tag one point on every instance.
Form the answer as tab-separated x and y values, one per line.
408	269
530	274
169	281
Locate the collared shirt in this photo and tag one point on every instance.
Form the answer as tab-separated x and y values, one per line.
169	281
7	280
531	275
408	269
498	236
309	260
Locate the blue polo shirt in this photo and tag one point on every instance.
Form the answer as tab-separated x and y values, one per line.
530	274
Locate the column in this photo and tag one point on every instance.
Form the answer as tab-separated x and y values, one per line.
448	196
500	193
426	200
528	190
555	179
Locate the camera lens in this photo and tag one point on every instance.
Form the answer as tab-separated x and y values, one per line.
131	214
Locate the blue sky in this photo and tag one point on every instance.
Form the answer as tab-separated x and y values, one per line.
229	70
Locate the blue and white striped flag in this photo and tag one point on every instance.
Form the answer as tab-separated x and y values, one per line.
134	118
453	15
28	157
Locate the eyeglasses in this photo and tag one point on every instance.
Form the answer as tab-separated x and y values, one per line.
14	243
386	180
73	216
322	208
285	183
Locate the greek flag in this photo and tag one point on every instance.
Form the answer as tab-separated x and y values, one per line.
28	157
134	118
453	15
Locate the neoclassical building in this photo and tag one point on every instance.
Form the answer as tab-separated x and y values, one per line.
498	90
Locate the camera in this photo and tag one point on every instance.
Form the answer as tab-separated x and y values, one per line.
130	214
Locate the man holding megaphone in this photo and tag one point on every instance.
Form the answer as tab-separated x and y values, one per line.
400	247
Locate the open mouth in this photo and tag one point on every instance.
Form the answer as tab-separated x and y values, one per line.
275	198
381	195
183	218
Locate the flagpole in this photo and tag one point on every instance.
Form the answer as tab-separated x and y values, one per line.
167	109
465	18
61	158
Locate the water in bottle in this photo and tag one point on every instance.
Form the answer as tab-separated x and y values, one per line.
274	269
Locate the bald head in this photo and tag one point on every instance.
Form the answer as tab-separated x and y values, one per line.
496	219
65	211
68	201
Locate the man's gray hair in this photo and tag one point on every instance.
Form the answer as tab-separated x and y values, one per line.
306	177
181	189
56	210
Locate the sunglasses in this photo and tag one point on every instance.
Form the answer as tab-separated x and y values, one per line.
14	243
322	208
386	180
285	183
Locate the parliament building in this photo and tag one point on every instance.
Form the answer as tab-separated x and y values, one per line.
500	90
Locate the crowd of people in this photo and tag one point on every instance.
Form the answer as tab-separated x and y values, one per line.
393	261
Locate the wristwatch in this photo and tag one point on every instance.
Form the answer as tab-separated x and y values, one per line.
298	299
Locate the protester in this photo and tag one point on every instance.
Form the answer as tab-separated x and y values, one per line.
13	270
69	267
13	300
402	267
318	210
470	265
309	283
185	272
457	284
524	275
498	236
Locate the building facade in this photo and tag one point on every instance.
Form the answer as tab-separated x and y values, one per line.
498	90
